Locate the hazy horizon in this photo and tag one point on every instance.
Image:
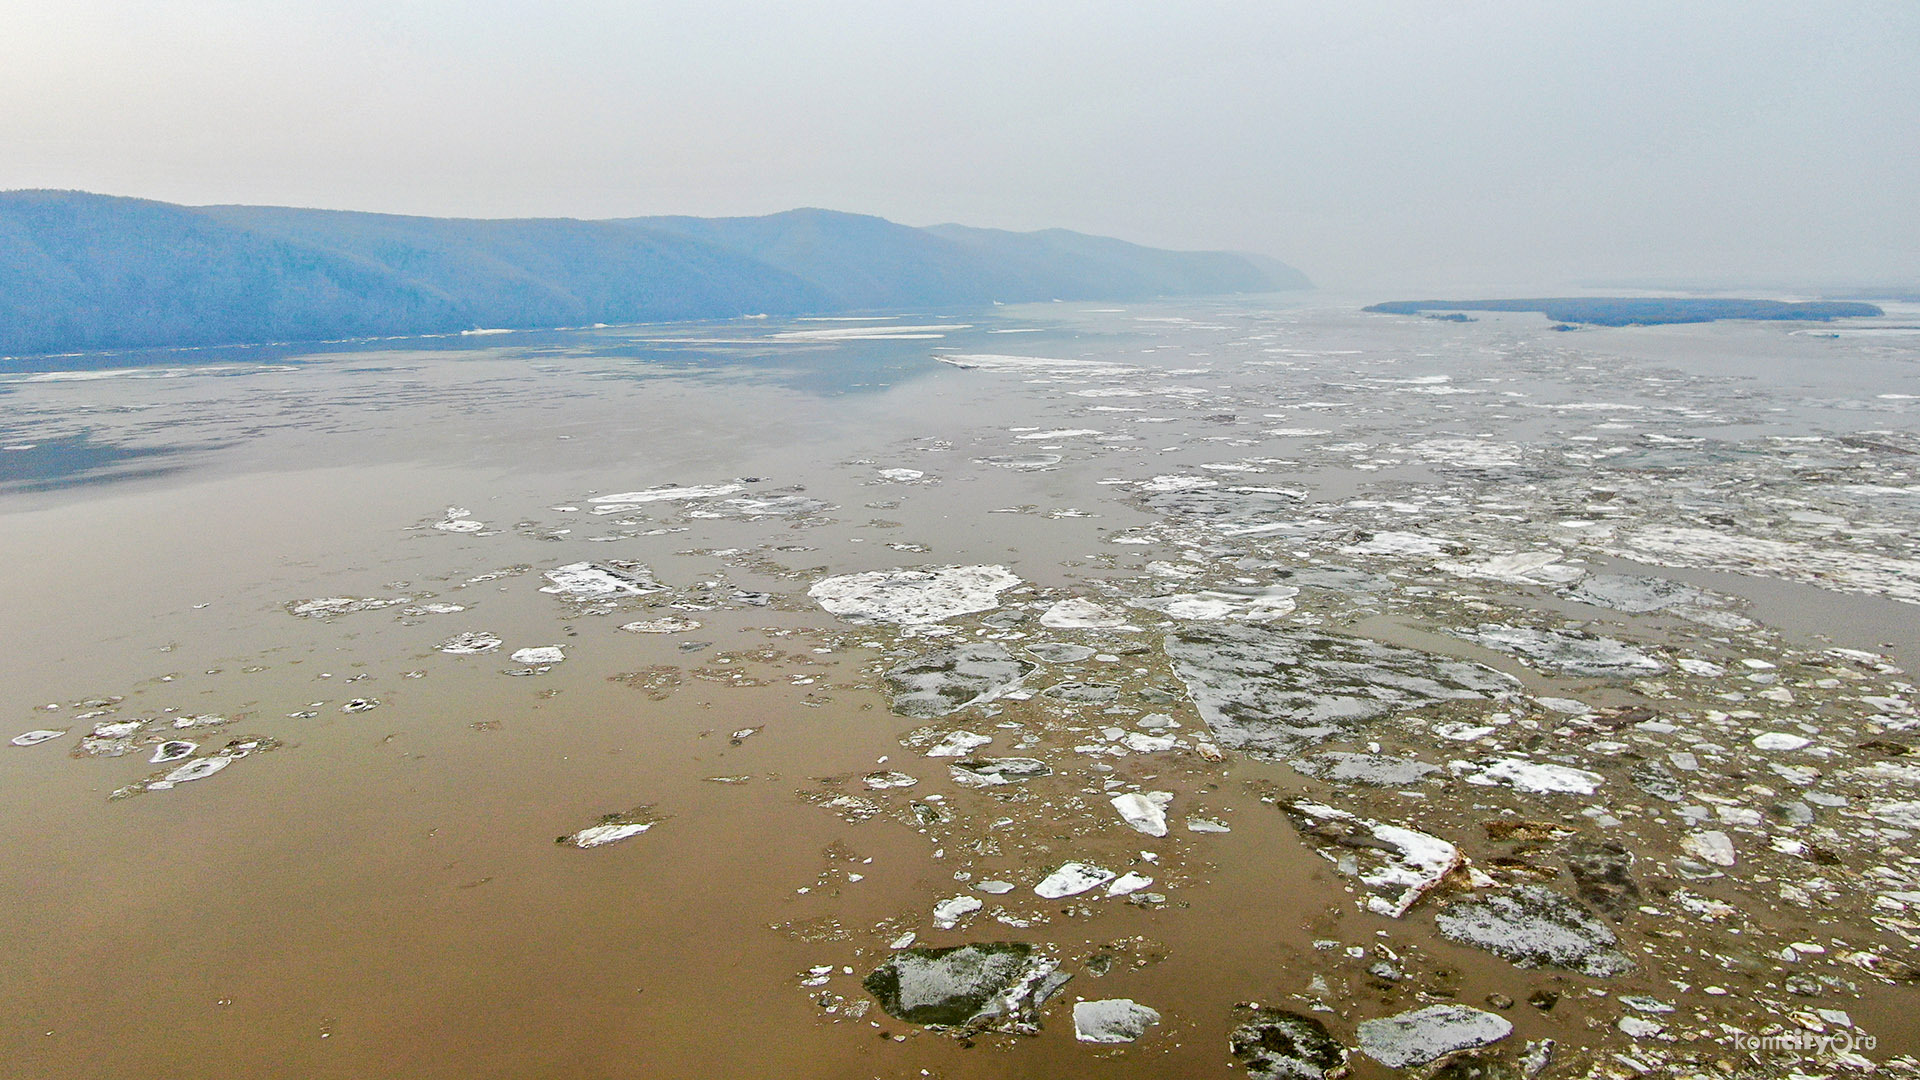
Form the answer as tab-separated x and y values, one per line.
1404	147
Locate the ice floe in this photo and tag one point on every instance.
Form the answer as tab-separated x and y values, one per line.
1278	1044
1397	865
1115	1020
1072	879
36	737
1271	691
1533	926
469	643
947	680
610	580
1423	1035
1146	812
913	597
1078	614
998	984
1568	651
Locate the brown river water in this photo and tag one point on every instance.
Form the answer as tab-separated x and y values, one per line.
370	884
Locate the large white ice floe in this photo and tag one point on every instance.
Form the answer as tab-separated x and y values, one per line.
913	597
1396	864
608	580
1536	777
539	654
1519	568
628	499
1072	879
1080	614
1251	605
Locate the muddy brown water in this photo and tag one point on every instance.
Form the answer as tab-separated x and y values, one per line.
383	894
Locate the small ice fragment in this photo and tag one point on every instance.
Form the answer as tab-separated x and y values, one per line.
1128	883
1207	825
1779	740
359	705
1711	846
34	738
539	654
996	888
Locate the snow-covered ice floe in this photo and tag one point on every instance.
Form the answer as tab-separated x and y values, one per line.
913	597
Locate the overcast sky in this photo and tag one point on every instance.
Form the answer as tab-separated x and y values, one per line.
1464	144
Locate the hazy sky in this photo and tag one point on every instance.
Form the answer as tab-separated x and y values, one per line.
1463	143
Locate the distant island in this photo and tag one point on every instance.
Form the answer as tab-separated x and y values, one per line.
82	272
1642	310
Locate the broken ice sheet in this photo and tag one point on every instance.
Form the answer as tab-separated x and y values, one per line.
1396	864
913	597
1271	691
947	680
1568	651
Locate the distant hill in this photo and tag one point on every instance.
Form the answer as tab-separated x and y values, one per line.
1642	310
82	272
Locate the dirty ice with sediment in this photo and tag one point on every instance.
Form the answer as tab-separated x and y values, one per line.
1214	687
